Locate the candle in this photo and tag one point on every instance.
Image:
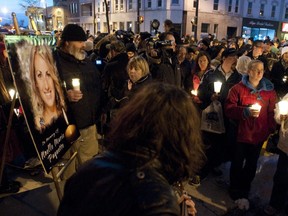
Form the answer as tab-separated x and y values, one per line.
283	107
11	93
284	79
255	110
256	107
76	83
217	86
194	92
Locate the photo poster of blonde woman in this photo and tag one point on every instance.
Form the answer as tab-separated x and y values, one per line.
42	96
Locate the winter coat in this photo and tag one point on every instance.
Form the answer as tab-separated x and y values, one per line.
85	111
278	74
252	130
206	88
110	184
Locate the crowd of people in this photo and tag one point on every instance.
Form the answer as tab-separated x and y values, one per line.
147	95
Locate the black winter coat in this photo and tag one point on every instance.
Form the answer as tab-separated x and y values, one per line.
206	88
85	110
110	185
279	77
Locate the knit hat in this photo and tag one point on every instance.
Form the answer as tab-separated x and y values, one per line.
229	52
73	32
117	45
206	42
284	50
130	47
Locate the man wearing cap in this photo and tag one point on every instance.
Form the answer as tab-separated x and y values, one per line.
114	76
72	63
270	56
279	73
257	54
228	76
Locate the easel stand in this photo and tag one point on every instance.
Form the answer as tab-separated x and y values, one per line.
57	175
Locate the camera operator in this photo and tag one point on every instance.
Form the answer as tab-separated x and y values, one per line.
161	59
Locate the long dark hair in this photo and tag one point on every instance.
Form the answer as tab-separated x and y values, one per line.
197	67
162	119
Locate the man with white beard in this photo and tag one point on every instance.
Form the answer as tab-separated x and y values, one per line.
84	101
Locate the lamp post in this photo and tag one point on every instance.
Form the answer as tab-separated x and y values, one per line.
98	23
196	19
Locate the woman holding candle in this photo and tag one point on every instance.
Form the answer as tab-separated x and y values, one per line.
254	123
280	186
203	65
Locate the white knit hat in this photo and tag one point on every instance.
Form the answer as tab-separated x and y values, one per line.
284	50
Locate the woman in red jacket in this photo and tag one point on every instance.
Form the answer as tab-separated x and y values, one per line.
254	127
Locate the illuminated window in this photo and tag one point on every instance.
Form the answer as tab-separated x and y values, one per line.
261	12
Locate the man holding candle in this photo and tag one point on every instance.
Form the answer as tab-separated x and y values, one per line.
280	187
82	82
250	104
219	144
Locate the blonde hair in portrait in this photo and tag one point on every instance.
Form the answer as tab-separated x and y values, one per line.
27	53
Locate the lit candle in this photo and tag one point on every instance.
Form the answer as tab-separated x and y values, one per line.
284	79
194	92
217	86
256	107
283	107
76	83
11	93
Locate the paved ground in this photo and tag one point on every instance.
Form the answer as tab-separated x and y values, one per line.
38	196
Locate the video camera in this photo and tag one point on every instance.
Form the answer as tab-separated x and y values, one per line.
158	44
124	36
159	47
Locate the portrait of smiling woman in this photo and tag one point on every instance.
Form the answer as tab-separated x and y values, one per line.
47	96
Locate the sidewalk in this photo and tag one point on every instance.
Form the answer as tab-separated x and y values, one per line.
38	195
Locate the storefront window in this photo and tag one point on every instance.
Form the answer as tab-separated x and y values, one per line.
257	33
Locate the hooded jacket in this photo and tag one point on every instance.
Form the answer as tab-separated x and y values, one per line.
241	96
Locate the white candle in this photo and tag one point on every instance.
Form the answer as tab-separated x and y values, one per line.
283	107
217	86
11	93
194	92
256	107
76	83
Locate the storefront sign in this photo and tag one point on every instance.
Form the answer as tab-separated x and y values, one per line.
256	23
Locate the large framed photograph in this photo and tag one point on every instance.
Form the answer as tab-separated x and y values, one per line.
42	96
